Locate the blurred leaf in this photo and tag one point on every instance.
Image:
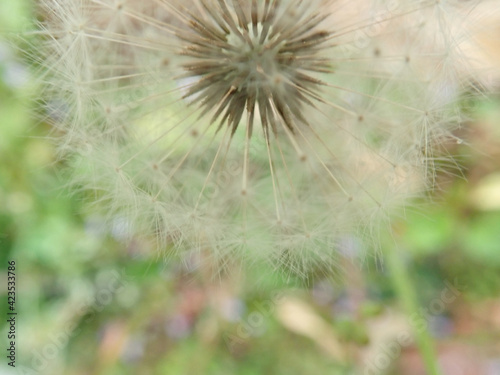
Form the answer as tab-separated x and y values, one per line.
430	233
481	240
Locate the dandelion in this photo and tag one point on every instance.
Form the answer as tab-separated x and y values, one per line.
260	130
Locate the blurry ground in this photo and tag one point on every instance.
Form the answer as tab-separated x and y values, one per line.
89	304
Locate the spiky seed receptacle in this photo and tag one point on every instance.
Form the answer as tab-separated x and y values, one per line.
265	130
256	58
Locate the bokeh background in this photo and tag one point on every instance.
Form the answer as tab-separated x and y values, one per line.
90	303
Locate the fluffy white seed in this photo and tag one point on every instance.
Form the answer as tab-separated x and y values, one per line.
263	130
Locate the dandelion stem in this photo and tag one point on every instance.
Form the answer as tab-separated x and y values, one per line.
407	295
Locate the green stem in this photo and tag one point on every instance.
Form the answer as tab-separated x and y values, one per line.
406	291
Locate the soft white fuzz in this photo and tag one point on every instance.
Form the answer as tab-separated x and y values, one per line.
257	130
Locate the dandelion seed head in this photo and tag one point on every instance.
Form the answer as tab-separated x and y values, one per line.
261	130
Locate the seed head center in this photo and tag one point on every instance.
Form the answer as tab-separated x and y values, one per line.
253	62
260	60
